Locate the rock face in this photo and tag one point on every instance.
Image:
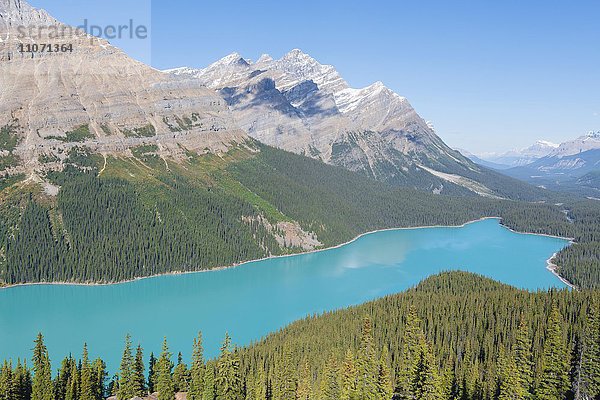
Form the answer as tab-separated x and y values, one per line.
300	105
94	95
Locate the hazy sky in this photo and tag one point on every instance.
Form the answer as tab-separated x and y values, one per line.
490	75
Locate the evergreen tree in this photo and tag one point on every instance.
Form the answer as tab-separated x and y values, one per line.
385	387
197	369
209	391
152	374
7	384
181	375
228	380
554	383
284	386
590	353
330	387
523	358
164	377
257	390
367	364
72	392
412	343
22	381
139	380
88	380
349	376
42	388
304	389
126	388
425	383
509	383
99	376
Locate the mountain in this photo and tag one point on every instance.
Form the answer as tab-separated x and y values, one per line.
94	96
482	162
297	104
517	158
568	167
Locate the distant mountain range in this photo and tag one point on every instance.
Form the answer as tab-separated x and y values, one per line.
572	165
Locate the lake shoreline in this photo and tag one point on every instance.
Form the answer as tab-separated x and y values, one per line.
550	265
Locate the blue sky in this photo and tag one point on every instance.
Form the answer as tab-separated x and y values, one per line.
490	75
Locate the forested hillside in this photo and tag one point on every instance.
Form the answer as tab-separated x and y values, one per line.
146	215
455	336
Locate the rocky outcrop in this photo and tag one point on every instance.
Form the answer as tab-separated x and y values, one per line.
300	105
96	96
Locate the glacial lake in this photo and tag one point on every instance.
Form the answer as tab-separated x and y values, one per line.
256	298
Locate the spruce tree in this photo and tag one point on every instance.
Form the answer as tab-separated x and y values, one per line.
42	388
126	388
304	389
412	342
509	383
590	353
366	364
330	386
554	383
152	374
209	391
425	381
181	375
197	369
22	381
385	387
139	380
72	392
228	380
284	386
164	377
349	375
86	389
258	387
7	383
100	375
524	358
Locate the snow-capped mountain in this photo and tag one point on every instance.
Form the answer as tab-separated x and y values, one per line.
521	157
301	105
590	141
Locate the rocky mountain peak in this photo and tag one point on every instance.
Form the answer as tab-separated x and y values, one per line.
19	12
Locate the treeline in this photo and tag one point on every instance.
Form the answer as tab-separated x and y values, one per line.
199	216
455	336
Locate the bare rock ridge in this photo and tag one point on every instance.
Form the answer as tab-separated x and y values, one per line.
95	96
302	106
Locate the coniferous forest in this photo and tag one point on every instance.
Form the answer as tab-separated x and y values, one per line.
137	218
454	336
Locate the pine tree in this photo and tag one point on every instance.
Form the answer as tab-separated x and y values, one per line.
349	376
590	353
284	386
180	375
385	387
228	380
304	389
330	387
139	380
554	383
367	364
87	377
209	391
126	388
197	369
523	358
42	388
164	377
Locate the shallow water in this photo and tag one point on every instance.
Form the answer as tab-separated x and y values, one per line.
259	297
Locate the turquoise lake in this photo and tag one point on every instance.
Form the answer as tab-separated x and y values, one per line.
259	297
